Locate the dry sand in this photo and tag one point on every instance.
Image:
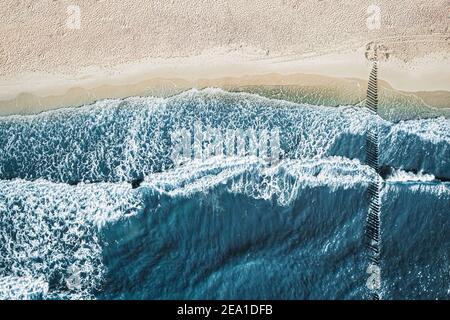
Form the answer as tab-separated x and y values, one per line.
135	47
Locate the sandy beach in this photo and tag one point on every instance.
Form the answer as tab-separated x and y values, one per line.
64	53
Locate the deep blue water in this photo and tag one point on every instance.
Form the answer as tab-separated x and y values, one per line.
230	227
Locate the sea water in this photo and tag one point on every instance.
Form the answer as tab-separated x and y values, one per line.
92	204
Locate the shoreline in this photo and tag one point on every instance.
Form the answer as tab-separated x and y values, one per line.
345	74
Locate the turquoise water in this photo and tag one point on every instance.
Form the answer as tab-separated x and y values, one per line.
92	206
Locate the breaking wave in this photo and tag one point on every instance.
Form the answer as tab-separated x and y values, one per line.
122	140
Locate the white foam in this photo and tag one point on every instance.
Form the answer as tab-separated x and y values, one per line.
407	176
51	228
259	179
22	288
